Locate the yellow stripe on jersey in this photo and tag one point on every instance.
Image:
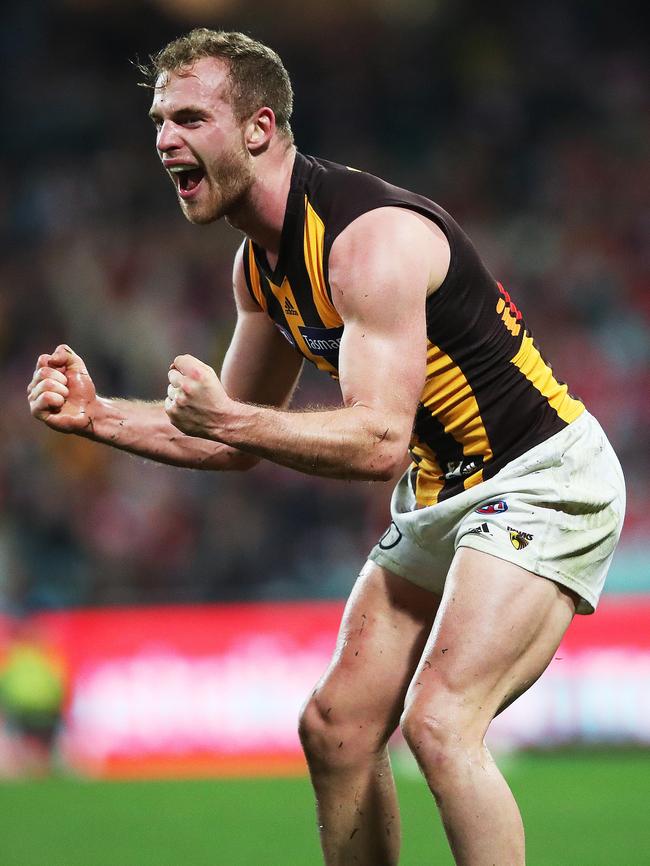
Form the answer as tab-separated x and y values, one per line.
473	480
256	285
294	320
529	361
448	395
314	236
429	480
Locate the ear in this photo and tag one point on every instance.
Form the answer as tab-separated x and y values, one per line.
260	130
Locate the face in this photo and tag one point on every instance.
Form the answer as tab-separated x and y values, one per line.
199	141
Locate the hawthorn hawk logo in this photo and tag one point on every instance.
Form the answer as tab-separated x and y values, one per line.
519	539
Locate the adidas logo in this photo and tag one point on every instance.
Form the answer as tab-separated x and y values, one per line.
483	529
289	309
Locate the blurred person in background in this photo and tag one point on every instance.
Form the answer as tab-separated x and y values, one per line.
32	691
504	525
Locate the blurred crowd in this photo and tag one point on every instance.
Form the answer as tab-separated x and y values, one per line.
528	124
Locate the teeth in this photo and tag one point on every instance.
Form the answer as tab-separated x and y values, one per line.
177	169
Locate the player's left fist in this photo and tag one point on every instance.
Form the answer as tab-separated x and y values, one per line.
196	401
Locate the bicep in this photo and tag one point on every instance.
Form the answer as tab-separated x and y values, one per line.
381	293
260	366
382	367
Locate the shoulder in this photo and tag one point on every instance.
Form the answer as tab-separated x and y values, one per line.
391	247
245	280
340	193
241	276
358	204
385	233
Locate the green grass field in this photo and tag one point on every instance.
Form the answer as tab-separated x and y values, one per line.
580	809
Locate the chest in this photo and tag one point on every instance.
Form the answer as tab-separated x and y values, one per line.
313	327
298	301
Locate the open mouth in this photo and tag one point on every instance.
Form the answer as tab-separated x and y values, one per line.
187	178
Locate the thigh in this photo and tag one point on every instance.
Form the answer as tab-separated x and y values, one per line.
497	629
384	629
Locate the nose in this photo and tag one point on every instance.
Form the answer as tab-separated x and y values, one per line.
168	137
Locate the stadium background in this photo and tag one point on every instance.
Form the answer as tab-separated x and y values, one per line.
528	122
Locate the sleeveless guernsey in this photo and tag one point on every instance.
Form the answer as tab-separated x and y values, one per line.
489	395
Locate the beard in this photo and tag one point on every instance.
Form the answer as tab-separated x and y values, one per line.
228	181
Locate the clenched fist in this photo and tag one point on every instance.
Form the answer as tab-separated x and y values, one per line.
61	393
196	401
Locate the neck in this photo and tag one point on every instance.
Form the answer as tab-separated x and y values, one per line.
260	214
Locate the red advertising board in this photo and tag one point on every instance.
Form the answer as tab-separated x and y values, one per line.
189	690
218	689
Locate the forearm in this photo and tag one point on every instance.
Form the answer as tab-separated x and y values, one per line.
144	429
351	442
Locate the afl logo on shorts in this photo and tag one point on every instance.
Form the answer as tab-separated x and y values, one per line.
390	538
493	507
519	539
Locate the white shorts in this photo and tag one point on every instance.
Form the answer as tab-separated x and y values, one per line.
556	510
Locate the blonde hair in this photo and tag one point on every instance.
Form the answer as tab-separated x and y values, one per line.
257	75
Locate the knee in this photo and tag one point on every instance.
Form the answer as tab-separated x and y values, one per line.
333	739
438	739
321	733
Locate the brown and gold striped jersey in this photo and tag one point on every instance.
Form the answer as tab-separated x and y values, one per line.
488	396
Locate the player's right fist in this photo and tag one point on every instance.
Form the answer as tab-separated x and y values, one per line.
61	393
